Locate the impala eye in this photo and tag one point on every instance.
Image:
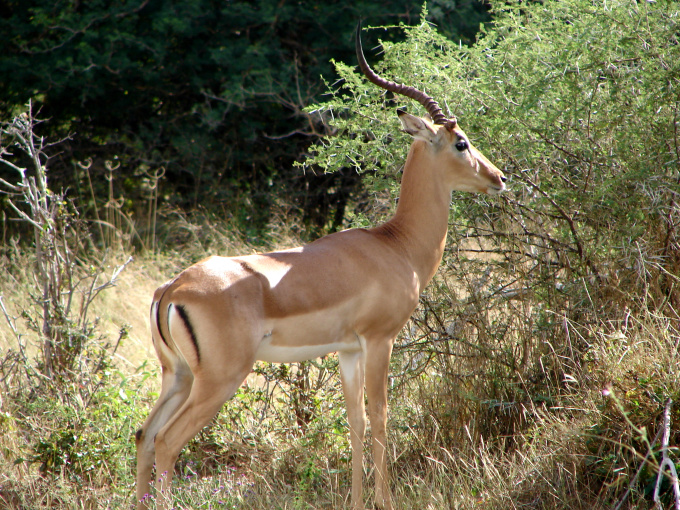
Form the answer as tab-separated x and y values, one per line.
462	145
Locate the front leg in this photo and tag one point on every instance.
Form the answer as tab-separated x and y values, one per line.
377	368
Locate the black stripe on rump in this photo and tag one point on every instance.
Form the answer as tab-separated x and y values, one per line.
187	323
158	317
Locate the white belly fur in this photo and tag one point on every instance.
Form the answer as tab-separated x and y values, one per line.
289	354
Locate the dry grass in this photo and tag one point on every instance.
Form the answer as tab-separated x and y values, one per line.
464	434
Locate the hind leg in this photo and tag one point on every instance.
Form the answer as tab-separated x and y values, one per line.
205	400
175	389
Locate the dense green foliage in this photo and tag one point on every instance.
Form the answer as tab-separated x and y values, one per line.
213	92
579	103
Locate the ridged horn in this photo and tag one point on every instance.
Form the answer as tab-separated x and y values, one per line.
430	104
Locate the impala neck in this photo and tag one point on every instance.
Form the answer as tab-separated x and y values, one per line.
420	223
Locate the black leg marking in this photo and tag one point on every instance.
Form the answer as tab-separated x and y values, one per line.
187	323
138	435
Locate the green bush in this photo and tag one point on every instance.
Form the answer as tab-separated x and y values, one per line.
577	102
86	439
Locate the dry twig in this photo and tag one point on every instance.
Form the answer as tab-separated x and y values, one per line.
666	462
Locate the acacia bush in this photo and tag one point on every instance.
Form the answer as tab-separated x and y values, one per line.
578	102
588	137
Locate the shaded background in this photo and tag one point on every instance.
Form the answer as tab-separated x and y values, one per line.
210	91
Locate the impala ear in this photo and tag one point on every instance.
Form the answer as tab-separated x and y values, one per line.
416	127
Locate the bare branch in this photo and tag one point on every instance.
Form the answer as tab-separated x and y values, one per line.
666	461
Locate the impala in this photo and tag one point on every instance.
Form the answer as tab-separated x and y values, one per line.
350	292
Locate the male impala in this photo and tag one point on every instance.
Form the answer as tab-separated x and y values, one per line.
350	292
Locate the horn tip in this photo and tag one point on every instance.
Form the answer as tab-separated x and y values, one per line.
357	43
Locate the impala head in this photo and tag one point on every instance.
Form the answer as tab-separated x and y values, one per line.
470	169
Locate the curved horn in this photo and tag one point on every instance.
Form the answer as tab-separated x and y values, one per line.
430	104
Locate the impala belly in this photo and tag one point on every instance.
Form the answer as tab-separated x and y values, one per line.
291	354
308	336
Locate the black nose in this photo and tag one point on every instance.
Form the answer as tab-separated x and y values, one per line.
504	179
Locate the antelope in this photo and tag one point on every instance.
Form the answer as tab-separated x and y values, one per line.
349	292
